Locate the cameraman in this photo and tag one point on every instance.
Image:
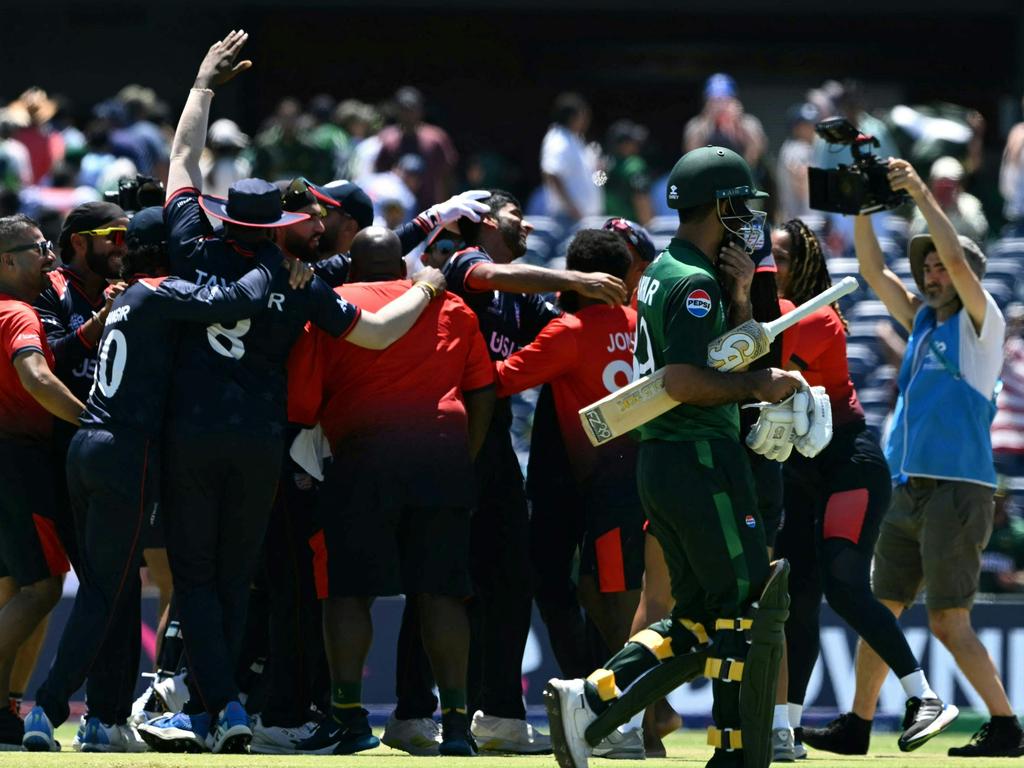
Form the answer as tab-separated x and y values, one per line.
940	459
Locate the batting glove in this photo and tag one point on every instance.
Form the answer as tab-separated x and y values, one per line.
454	208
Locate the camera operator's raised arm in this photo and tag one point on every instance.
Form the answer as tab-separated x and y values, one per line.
900	302
217	68
967	284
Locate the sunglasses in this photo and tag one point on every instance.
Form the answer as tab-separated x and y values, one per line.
43	247
622	227
114	235
299	194
443	246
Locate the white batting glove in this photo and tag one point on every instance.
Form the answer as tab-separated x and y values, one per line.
819	431
773	434
454	208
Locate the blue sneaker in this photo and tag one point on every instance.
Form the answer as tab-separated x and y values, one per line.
456	738
99	737
232	733
177	733
39	732
334	738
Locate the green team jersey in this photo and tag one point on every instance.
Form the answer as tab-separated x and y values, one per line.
679	305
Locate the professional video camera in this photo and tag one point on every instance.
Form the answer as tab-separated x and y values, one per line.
138	193
861	187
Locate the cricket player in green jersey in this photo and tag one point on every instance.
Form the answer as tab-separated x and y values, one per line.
698	492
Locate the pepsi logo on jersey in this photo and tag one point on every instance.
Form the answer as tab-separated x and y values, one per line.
698	303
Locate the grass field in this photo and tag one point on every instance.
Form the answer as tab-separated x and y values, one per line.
686	748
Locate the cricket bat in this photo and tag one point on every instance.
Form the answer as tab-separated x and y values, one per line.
626	409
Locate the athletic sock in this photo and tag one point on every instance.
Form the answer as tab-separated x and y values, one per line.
452	700
916	685
796	711
346	701
781	717
16	697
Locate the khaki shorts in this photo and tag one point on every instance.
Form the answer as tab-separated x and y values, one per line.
932	536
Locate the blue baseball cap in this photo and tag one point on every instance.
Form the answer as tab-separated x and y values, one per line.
146	228
720	86
633	234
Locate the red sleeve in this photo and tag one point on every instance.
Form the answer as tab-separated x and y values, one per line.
816	334
20	331
305	378
551	354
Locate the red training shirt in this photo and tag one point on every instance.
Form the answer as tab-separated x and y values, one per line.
819	353
414	386
20	330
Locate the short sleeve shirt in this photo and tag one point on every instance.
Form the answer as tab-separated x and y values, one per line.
680	311
21	332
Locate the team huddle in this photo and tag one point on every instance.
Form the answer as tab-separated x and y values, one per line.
273	405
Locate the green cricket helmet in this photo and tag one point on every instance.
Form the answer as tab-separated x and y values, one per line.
708	174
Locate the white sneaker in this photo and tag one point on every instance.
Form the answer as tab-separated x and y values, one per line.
144	707
569	714
132	741
783	745
506	734
278	740
420	736
622	745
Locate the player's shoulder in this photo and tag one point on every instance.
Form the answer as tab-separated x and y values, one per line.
16	309
55	289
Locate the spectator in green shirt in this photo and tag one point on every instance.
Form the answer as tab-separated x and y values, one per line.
627	191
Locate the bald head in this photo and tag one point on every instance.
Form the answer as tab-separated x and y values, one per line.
376	255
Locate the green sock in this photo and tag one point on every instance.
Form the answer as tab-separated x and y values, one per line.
346	700
453	700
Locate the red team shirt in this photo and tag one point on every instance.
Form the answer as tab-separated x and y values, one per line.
414	386
20	330
585	356
817	348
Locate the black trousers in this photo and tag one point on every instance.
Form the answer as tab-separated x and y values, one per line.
113	480
500	612
217	494
297	665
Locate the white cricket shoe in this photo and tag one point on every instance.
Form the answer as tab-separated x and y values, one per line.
420	736
622	745
569	714
278	740
507	734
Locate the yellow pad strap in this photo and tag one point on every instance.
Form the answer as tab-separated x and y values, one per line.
740	625
696	628
604	681
660	646
727	738
730	670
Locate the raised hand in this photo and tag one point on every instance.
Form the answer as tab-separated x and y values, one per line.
218	66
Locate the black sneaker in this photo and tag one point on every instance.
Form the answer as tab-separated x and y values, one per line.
334	738
456	738
846	735
12	729
924	719
999	737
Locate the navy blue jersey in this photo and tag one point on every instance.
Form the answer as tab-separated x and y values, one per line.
334	270
63	309
137	349
508	321
231	377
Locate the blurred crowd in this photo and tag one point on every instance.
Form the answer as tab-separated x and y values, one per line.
54	156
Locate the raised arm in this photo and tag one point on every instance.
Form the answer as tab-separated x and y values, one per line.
947	243
40	382
217	68
900	302
525	278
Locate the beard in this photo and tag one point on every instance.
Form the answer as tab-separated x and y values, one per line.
100	264
512	235
302	248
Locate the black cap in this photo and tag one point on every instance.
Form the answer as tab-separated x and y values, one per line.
146	228
352	200
88	216
301	192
